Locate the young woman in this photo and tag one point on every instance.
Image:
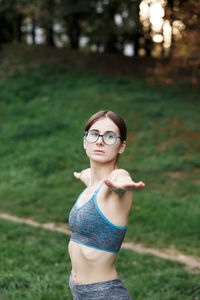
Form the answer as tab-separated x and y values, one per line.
99	217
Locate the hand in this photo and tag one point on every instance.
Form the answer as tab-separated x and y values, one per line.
122	183
84	176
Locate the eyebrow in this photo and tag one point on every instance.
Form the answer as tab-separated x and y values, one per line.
105	131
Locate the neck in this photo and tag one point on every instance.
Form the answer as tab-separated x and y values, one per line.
100	171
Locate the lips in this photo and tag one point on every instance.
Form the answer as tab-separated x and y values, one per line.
99	151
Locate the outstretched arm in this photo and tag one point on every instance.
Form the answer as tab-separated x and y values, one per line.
119	181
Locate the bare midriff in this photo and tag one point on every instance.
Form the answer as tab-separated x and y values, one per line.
90	265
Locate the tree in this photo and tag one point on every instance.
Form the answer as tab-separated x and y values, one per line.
11	20
132	29
46	19
106	33
74	13
31	12
184	61
187	48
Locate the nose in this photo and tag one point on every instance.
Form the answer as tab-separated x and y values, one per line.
100	140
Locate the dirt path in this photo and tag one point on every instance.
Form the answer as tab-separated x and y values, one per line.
192	263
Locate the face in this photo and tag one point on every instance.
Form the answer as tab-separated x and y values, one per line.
99	151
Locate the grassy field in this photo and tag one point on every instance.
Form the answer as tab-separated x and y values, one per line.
35	265
43	108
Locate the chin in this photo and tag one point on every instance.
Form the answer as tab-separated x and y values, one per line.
98	158
101	159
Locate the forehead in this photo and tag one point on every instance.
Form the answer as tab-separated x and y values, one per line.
105	124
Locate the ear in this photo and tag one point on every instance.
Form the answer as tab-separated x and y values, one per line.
122	147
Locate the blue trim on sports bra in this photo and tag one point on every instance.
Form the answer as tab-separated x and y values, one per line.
91	228
97	207
92	246
95	192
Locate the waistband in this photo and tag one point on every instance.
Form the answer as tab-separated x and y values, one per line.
95	286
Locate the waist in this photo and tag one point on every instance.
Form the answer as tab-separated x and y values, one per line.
94	285
90	265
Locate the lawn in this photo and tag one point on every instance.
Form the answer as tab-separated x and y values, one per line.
35	265
44	104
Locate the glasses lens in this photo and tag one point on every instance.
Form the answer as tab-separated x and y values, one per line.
91	136
110	138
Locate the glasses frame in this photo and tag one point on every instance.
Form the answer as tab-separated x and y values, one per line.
100	135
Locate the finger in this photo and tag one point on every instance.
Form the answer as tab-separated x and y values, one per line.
137	186
77	175
140	183
134	186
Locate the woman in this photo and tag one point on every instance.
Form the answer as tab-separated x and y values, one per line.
99	218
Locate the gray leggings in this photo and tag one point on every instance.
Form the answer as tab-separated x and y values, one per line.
106	290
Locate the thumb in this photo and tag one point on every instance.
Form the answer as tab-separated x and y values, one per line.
108	183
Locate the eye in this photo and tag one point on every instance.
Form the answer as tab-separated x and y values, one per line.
93	133
110	136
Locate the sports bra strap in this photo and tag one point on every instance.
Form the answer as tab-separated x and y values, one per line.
98	188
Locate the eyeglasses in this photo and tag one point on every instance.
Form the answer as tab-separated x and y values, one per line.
108	138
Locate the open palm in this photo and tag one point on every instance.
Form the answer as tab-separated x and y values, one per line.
124	184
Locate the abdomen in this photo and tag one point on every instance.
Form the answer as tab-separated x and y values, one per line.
90	265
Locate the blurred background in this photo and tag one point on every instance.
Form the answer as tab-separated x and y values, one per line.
148	28
62	61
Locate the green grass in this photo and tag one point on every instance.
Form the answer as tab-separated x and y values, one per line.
35	265
43	109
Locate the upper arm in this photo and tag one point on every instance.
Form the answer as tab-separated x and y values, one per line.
119	201
117	174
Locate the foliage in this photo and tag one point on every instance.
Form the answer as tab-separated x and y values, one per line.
96	20
10	21
188	47
184	62
105	33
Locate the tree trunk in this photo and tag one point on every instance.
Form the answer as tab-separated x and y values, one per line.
74	32
19	31
7	30
110	45
170	17
138	33
148	46
33	29
111	41
50	36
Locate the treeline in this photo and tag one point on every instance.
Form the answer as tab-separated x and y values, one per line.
93	19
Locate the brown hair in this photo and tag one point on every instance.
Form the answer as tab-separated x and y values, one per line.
111	115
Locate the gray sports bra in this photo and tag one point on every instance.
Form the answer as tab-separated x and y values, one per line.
91	228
